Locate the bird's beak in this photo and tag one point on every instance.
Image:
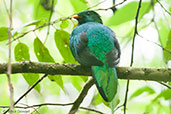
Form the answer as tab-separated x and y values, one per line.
76	16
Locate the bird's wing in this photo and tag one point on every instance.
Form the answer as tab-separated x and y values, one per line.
84	56
113	56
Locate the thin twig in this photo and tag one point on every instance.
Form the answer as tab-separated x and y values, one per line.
132	53
156	44
118	108
6	7
41	26
169	87
21	97
34	109
126	97
81	97
25	33
39	105
135	32
9	61
96	5
114	7
163	7
92	110
50	16
111	6
156	27
53	104
58	20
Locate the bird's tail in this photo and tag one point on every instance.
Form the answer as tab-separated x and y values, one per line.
106	81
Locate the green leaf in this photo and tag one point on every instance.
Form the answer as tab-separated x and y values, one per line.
43	55
42	52
79	5
167	55
3	33
140	91
84	78
62	43
163	30
84	1
57	79
31	79
97	99
122	15
114	103
41	9
77	83
166	94
40	12
21	52
64	24
169	83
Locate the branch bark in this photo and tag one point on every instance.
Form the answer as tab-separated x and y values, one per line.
132	73
11	90
81	97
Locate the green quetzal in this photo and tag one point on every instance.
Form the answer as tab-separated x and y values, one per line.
94	44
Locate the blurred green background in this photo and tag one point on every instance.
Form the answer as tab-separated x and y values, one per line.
50	44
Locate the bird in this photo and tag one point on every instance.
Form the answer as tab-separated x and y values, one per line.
95	45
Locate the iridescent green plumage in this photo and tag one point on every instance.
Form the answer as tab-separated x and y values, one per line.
94	44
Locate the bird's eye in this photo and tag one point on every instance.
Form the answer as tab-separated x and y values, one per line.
88	13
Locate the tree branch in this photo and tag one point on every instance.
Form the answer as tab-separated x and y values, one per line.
81	97
132	73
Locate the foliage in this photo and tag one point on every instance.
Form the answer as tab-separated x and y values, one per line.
122	17
142	90
21	53
39	37
3	33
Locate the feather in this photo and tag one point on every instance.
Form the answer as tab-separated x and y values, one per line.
106	81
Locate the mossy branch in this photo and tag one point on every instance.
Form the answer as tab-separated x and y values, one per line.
132	73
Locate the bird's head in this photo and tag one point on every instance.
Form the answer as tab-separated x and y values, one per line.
88	16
